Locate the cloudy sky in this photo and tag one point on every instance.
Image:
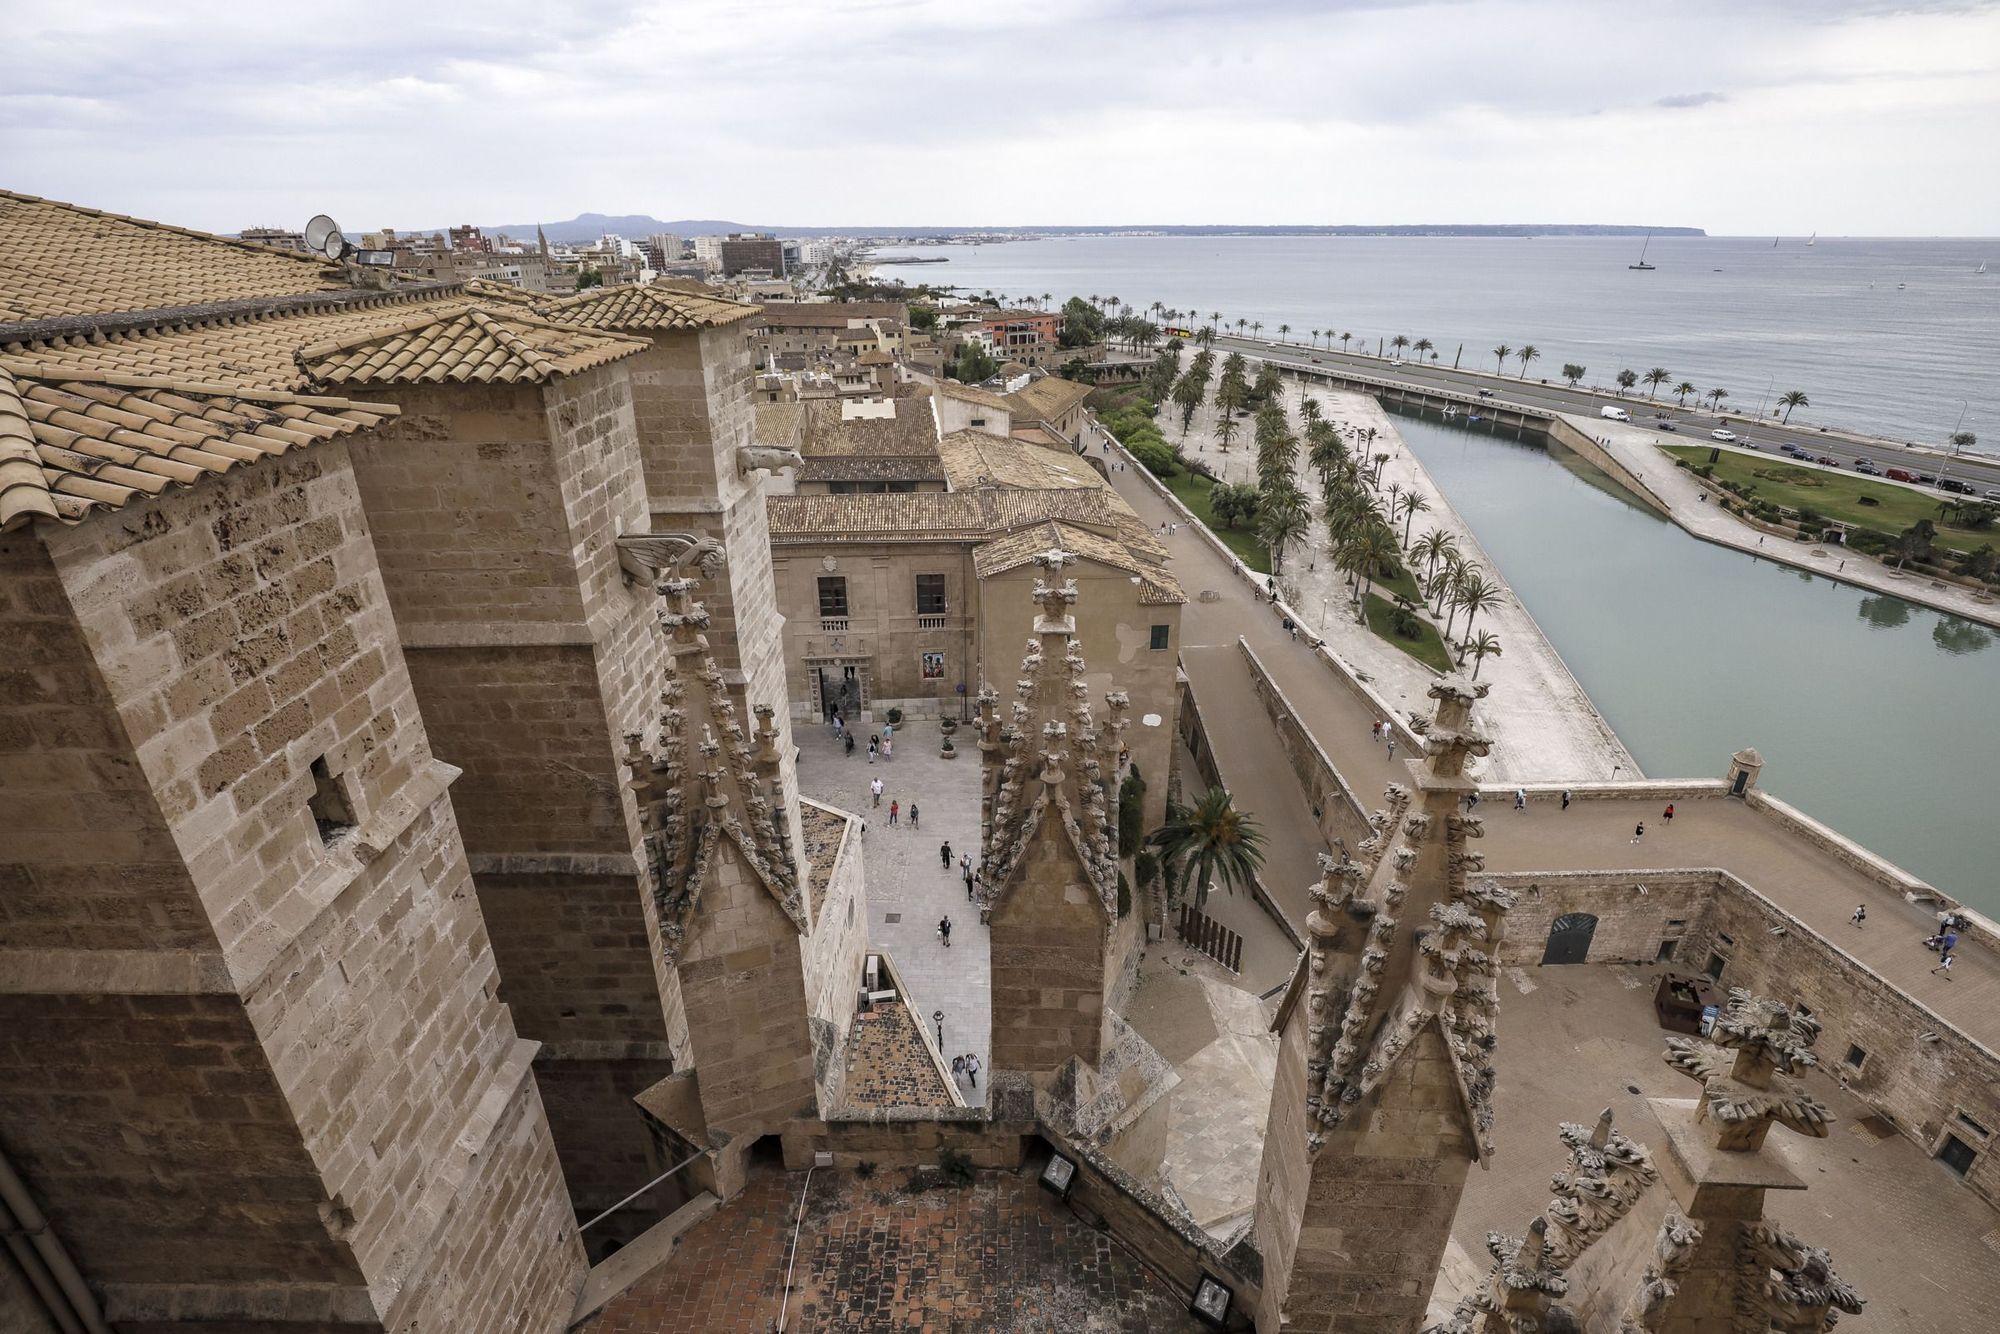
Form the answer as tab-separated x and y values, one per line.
1741	116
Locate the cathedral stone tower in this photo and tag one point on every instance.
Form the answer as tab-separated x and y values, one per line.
1384	1078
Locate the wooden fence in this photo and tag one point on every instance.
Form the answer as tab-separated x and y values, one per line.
1218	942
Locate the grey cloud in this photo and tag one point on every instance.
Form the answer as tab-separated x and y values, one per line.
1680	101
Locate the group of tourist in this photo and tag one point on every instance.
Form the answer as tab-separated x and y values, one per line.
880	744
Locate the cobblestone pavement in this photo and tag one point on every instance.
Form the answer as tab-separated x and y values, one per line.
1575	1040
999	1257
887	1063
906	883
1217	1037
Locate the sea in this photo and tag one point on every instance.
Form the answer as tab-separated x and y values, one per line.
1895	337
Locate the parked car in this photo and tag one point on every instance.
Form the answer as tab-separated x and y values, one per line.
1829	460
1894	474
1867	469
1789	448
1927	479
1993	495
1723	434
1956	487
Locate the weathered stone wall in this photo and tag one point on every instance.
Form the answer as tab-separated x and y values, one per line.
1326	789
833	960
242	633
87	862
1049	961
1636	914
743	982
881	623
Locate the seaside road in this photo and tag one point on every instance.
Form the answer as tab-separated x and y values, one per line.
1594	834
1982	472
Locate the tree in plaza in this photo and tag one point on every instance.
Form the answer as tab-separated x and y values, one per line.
1282	519
1161	374
1573	372
1626	379
1979	564
1324	450
1656	377
1527	354
1444	583
1269	386
1915	542
1187	397
1482	648
1500	355
1233	502
1368	549
1474	594
1715	397
1082	323
1681	392
1208	843
1225	426
1430	549
1399	342
1411	504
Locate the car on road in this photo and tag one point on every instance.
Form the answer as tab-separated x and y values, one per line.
1611	413
1665	426
1486	393
1993	495
1829	460
1789	448
1866	469
1953	485
1927	479
1894	474
1723	434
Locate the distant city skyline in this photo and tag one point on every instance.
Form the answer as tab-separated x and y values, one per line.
1844	117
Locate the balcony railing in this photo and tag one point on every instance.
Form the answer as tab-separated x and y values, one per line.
930	622
833	625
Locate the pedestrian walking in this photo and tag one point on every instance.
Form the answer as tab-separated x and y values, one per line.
913	815
1639	832
836	723
1375	730
850	743
1860	914
971	885
972	1069
944	855
874	748
958	1067
944	931
1944	966
1565	798
888	744
1670	813
894	807
875	791
1392	748
1520	799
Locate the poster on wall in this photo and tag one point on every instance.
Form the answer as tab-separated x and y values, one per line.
933	666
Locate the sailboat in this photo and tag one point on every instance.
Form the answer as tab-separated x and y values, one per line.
1642	264
1981	268
1813	239
1774	242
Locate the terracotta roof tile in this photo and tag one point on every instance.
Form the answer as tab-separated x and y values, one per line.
464	344
967	393
972	457
1048	398
654	306
58	259
71	443
938	515
1156	586
910	433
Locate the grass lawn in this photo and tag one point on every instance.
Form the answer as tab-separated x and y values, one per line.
1193	492
1837	495
1428	648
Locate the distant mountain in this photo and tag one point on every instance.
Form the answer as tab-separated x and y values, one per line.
590	226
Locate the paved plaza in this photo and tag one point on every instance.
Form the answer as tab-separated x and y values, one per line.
1001	1256
908	890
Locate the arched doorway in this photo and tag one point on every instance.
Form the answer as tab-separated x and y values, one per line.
1569	938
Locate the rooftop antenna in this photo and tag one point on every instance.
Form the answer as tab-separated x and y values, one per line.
323	237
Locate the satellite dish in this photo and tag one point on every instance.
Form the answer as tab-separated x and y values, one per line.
323	235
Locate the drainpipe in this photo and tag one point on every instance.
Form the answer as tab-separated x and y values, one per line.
43	1259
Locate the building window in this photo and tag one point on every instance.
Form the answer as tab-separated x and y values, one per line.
1725	937
1160	634
1856	1057
1715	966
1956	1154
930	595
331	811
832	596
1973	1126
1666	951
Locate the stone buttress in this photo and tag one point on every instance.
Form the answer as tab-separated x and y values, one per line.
1383	1090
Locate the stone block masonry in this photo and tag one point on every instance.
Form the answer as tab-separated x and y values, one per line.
1050	961
318	1127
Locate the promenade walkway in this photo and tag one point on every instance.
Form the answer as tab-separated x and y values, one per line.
1594	834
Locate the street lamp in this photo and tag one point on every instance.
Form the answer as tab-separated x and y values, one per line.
1954	427
939	1016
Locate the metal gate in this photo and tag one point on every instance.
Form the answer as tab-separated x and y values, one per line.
1569	938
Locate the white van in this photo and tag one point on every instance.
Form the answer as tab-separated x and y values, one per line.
1614	414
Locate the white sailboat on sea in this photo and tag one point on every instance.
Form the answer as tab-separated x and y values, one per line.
1981	268
1642	264
1813	239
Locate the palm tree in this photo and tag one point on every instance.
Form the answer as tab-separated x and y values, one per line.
1207	843
1500	355
1715	397
1368	549
1281	522
1475	594
1225	428
1344	340
1241	324
1626	379
1399	342
1412	505
1681	392
1214	318
1656	377
1283	329
1792	398
1421	346
1315	337
1527	354
1256	327
1482	648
